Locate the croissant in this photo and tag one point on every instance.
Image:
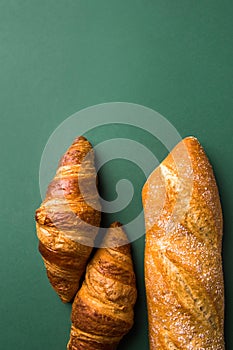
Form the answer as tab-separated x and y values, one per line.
183	263
102	312
66	222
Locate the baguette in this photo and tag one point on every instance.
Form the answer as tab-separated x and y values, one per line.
183	262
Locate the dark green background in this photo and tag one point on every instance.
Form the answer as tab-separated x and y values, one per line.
57	57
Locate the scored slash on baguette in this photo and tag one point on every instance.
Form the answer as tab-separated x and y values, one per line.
66	224
183	263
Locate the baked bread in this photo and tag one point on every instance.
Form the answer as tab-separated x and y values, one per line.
183	263
102	312
66	224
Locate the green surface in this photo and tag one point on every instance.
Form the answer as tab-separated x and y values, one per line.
57	57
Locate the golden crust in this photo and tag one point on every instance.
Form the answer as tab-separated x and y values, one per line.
102	312
183	263
66	224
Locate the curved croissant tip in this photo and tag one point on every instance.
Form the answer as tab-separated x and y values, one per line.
80	138
116	236
116	224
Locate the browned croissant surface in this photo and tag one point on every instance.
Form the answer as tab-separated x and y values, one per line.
102	312
66	224
183	264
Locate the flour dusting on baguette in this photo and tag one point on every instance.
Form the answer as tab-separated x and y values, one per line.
183	262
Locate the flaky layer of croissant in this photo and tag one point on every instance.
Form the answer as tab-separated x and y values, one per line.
102	312
68	219
183	264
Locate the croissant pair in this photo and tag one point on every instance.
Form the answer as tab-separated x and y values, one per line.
183	264
67	224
